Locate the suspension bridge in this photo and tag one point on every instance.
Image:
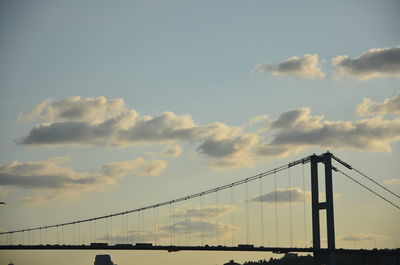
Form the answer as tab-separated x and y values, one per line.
219	219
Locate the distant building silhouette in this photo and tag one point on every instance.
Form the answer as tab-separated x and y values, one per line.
103	260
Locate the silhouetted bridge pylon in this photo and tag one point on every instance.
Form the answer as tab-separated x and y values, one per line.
206	220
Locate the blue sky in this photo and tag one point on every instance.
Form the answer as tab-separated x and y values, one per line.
222	63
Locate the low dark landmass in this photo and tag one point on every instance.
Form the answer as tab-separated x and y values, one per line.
294	259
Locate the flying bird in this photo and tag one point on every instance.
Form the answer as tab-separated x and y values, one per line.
3	203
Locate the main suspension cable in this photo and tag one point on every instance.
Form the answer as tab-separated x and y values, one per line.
359	183
362	174
199	194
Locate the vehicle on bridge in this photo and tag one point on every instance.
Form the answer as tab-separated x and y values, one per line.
143	244
123	245
98	244
245	246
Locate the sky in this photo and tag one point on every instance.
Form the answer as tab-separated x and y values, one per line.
111	106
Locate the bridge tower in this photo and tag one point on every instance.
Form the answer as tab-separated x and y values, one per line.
317	206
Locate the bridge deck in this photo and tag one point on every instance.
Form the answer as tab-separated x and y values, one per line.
379	252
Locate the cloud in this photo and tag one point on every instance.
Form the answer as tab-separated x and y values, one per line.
77	121
49	179
283	196
132	236
371	64
363	237
298	119
137	166
208	211
3	192
44	174
392	181
297	130
223	146
388	106
173	151
258	119
306	66
196	227
179	228
75	108
230	151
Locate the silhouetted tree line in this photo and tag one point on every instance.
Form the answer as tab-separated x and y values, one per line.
295	260
340	260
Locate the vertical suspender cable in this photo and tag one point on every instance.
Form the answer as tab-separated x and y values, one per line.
247	213
188	224
73	233
79	233
202	219
108	230
158	225
232	214
106	235
127	229
95	230
170	224
261	211
276	210
139	228
173	223
290	208
90	232
216	217
144	233
220	233
111	230
123	227
216	214
155	225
